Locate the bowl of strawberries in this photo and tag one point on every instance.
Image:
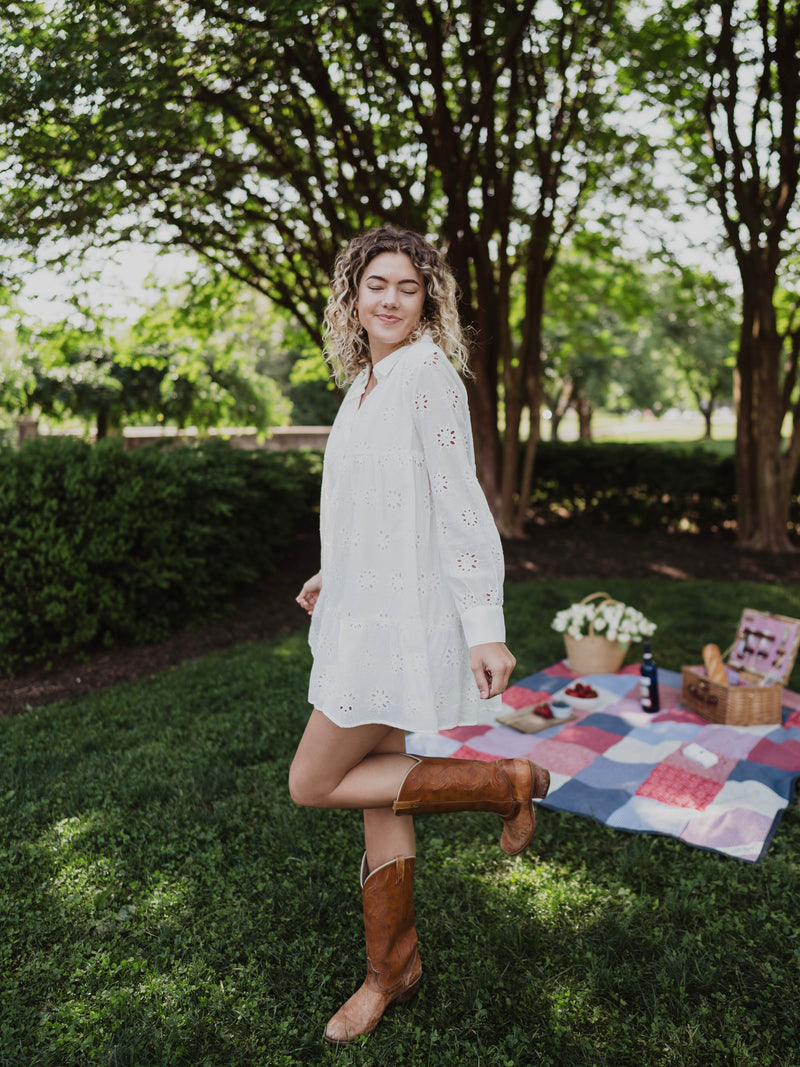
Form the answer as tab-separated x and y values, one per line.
582	697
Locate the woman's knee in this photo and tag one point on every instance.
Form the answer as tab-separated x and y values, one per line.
305	788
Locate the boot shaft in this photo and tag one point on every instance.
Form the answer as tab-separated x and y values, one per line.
389	921
506	787
438	784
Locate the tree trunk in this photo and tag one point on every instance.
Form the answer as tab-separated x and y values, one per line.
706	409
585	410
559	408
482	389
523	379
763	471
482	393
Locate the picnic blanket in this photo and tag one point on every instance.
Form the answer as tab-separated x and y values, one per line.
720	788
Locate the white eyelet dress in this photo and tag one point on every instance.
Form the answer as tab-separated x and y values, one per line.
412	565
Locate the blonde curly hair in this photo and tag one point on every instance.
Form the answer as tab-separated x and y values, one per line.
346	341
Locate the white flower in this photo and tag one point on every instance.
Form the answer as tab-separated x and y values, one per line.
613	620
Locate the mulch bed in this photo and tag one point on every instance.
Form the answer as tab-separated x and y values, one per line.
573	549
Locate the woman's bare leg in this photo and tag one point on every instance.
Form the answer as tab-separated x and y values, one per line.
387	835
363	767
346	767
356	767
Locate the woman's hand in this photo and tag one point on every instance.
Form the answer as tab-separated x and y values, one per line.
309	594
492	665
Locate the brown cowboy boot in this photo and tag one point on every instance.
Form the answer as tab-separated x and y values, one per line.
393	964
506	787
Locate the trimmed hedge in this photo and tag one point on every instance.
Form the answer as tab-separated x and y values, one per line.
646	486
101	545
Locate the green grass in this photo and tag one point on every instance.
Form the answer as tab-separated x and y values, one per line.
164	903
606	426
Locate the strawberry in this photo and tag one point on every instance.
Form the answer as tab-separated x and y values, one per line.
583	692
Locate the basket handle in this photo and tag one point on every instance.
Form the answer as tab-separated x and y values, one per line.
588	599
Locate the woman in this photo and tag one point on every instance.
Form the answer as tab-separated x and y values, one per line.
407	626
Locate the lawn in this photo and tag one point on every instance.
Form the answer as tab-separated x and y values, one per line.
165	903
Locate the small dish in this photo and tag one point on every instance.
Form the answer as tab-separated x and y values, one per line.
561	709
583	703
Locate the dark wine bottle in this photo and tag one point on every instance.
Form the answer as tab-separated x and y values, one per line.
648	687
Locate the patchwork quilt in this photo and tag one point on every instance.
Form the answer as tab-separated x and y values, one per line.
721	788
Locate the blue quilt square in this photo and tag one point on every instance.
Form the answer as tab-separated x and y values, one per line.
582	799
612	724
673	679
603	773
656	732
545	683
536	681
779	781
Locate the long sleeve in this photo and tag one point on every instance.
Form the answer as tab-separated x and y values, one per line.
468	542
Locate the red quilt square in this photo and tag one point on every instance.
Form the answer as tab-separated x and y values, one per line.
679	788
785	755
517	696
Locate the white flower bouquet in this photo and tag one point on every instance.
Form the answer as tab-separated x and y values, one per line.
597	636
610	619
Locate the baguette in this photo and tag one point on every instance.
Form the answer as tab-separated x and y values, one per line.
715	668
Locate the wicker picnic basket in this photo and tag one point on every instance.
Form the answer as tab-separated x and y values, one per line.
593	653
762	656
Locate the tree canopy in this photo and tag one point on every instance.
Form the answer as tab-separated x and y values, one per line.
265	136
200	355
729	80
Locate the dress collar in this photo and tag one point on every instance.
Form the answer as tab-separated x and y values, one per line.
386	365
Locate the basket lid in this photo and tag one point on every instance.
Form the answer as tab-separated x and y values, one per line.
766	645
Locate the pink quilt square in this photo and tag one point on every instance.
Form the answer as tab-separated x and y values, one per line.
793	718
670	696
718	773
561	757
466	733
589	736
679	788
465	752
681	715
786	756
517	696
739	831
727	741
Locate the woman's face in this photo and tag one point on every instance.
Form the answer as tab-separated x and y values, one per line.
390	299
